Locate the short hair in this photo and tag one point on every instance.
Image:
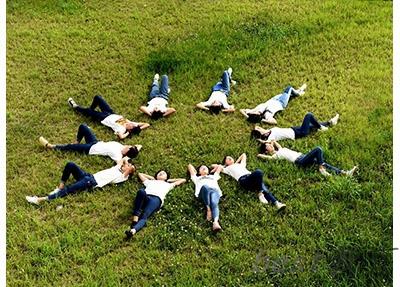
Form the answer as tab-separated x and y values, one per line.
132	152
263	147
155	175
254	118
223	161
156	115
198	169
215	109
256	134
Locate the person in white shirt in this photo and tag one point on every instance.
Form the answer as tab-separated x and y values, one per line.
218	100
208	190
84	180
274	150
157	106
121	126
92	146
150	199
309	124
252	181
265	112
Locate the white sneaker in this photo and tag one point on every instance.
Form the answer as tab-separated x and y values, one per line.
43	142
32	199
169	90
302	89
333	121
230	71
72	103
280	206
262	198
54	191
323	128
351	171
156	77
324	172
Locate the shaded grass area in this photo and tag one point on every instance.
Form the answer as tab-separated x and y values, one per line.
336	231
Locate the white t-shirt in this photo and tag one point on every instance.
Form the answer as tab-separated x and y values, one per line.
288	154
159	102
159	188
111	121
220	97
111	149
281	134
210	180
236	170
111	175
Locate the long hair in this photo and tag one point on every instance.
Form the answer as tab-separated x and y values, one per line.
155	175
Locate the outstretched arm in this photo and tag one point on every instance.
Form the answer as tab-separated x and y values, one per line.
176	181
202	106
276	144
231	109
242	159
243	112
121	136
191	170
145	110
217	170
264	156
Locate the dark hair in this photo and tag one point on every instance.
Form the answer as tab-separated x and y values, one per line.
156	115
215	109
263	146
254	118
132	152
155	176
198	169
223	161
256	134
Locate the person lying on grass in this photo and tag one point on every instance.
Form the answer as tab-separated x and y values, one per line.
122	127
84	180
218	100
150	199
265	112
252	181
206	186
157	106
274	150
309	124
114	150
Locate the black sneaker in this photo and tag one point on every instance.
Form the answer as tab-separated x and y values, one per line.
128	234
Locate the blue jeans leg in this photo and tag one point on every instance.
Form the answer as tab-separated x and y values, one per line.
309	122
223	85
332	168
214	200
82	148
205	195
155	90
153	203
140	199
85	182
313	156
268	195
85	132
164	87
99	101
253	181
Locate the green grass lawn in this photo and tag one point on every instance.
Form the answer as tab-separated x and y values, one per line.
336	231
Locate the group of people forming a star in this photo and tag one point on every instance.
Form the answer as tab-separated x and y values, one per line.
150	197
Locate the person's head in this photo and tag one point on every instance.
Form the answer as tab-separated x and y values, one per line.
156	114
129	167
202	170
132	152
161	175
228	160
254	117
267	148
215	107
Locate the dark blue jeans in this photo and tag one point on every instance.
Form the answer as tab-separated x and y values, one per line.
223	85
255	182
309	123
83	132
315	156
83	179
210	197
98	101
162	92
144	206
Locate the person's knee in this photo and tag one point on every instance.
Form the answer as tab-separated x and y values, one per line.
259	172
83	127
164	78
309	115
141	192
318	149
97	97
70	164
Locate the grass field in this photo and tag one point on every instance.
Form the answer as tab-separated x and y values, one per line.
335	232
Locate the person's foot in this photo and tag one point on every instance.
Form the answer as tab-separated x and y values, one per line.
333	121
216	227
262	198
230	71
323	128
169	91
208	215
302	89
45	142
280	206
324	172
72	103
54	191
156	77
351	171
129	233
32	199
